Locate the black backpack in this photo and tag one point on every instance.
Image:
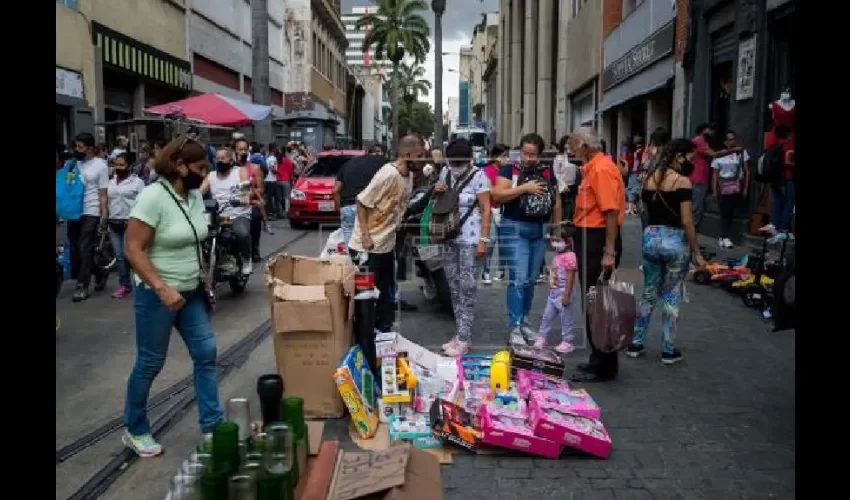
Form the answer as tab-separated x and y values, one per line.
532	205
446	221
770	165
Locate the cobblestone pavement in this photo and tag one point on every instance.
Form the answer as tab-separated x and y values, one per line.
719	425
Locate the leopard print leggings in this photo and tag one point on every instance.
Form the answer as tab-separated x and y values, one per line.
462	269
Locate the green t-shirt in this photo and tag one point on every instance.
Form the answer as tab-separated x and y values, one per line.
172	250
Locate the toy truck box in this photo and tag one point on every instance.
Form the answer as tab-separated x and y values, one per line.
356	385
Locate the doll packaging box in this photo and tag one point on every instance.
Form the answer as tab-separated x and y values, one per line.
527	381
356	385
570	429
515	433
576	401
543	360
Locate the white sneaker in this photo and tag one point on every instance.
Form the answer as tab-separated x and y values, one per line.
516	337
247	268
721	242
486	280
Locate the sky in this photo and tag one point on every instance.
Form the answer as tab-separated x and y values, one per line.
458	21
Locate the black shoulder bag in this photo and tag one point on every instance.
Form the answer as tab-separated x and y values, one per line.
209	295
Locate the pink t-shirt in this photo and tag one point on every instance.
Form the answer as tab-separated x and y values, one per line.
492	172
561	264
702	162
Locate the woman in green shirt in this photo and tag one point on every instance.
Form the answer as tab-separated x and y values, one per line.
162	241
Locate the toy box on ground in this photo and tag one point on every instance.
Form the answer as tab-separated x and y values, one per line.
542	360
527	381
576	431
453	424
513	433
431	386
356	385
311	314
398	383
475	366
576	401
414	428
387	410
506	403
476	393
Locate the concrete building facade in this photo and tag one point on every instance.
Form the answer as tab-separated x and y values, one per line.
76	80
359	61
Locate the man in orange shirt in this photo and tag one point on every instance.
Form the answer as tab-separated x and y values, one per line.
600	210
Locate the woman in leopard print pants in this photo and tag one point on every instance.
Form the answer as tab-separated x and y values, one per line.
463	257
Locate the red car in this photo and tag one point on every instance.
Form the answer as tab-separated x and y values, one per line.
312	198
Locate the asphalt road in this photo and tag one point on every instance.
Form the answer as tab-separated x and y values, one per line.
719	425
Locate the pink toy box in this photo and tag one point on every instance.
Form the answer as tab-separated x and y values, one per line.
573	430
514	433
576	401
527	381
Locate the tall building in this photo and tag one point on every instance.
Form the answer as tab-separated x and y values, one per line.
358	60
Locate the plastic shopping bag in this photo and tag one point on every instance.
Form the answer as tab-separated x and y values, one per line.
332	245
612	310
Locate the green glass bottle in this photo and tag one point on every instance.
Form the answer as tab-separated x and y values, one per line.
214	486
225	448
292	413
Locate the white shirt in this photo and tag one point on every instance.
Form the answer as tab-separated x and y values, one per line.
122	195
271	164
223	190
95	177
727	166
565	172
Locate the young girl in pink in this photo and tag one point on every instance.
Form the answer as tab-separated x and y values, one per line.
562	277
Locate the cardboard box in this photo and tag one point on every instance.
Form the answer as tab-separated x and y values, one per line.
422	479
356	385
576	401
311	313
527	381
576	431
514	433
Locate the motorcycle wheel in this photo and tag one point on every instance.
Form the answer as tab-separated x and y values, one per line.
237	285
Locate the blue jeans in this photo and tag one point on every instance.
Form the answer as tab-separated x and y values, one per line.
116	235
523	248
154	322
782	211
347	216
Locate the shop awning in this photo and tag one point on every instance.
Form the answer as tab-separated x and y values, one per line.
214	109
652	78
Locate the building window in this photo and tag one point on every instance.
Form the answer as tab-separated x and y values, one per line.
71	4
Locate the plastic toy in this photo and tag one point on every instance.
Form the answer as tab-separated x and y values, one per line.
452	423
475	366
576	401
500	375
720	272
399	381
575	431
356	386
758	292
514	433
528	381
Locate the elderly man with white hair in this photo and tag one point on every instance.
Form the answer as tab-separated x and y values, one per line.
600	208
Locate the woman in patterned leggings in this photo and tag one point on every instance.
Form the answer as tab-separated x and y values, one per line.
464	256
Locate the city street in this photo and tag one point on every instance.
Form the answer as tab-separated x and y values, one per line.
718	425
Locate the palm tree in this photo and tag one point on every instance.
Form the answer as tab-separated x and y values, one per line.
395	29
412	83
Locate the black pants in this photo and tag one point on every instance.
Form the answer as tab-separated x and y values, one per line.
727	203
242	231
256	231
82	234
383	267
589	245
273	198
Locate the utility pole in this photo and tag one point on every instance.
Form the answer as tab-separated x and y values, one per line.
260	90
439	7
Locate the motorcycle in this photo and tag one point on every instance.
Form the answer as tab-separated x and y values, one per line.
220	250
426	258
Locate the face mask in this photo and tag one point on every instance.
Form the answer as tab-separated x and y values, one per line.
559	246
242	157
785	96
122	173
193	180
413	165
79	155
459	171
687	168
223	166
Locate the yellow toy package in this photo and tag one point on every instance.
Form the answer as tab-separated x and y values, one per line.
356	385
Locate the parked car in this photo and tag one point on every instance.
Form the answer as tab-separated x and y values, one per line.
312	199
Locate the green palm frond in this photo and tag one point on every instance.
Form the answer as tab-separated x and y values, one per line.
397	24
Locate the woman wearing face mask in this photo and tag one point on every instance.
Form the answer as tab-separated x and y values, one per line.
222	185
522	236
668	240
462	257
498	159
164	232
122	191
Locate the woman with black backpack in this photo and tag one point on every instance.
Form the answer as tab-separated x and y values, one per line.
528	193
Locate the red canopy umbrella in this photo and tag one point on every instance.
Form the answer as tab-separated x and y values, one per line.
214	109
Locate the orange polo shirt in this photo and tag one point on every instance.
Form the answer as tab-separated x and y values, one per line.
601	190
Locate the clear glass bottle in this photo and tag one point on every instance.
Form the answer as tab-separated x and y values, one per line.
243	487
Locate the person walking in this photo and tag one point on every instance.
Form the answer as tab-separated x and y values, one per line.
668	240
730	183
122	191
522	234
285	171
164	233
462	257
352	178
83	232
566	174
600	211
270	182
498	159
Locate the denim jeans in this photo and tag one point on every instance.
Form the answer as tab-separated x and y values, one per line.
523	247
347	216
154	322
698	203
782	210
116	235
284	189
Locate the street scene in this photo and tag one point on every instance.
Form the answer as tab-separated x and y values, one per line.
437	238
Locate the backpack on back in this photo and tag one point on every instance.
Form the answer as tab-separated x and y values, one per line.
770	164
445	221
531	205
70	190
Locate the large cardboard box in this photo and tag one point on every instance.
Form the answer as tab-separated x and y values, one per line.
312	311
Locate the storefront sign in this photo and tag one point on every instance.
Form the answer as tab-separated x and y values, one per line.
745	85
69	83
655	47
121	51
